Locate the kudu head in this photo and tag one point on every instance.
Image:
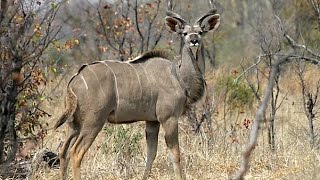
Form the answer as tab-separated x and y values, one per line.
192	34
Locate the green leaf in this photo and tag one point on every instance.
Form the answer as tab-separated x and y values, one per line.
53	69
54	5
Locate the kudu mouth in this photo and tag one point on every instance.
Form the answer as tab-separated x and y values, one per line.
193	50
194	43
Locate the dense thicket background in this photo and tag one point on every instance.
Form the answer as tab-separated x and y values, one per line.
44	42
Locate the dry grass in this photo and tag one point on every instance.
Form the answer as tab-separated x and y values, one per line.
212	154
207	156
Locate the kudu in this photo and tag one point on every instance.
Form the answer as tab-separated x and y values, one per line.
151	88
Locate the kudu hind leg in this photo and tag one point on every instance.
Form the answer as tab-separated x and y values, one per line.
64	156
152	132
170	127
81	146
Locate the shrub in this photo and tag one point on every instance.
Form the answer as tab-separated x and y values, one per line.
236	94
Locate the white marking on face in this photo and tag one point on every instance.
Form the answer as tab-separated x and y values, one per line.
194	45
194	34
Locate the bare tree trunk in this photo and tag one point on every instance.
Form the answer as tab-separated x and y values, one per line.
7	122
274	108
271	132
3	127
271	129
311	129
309	108
8	97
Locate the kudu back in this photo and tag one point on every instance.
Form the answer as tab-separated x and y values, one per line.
151	88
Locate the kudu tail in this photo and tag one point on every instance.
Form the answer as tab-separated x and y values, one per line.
71	106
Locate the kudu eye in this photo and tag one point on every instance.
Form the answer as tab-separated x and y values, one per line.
185	34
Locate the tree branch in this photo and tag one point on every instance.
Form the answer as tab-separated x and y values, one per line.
244	166
138	27
252	66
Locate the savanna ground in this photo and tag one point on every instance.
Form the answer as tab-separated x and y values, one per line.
119	151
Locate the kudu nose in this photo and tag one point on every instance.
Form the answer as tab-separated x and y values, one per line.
194	41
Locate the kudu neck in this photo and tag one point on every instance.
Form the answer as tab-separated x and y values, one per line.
192	65
191	72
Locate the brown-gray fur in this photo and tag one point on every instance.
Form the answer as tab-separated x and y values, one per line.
153	88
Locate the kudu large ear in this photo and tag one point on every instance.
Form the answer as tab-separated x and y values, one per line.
173	24
210	23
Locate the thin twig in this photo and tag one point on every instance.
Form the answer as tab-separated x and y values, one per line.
138	27
249	68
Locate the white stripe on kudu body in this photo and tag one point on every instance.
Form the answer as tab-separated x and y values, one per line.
115	80
95	75
138	79
85	83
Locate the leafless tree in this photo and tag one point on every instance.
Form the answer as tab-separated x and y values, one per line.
275	101
310	100
258	118
298	52
269	42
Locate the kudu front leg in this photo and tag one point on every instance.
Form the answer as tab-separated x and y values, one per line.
171	137
152	131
